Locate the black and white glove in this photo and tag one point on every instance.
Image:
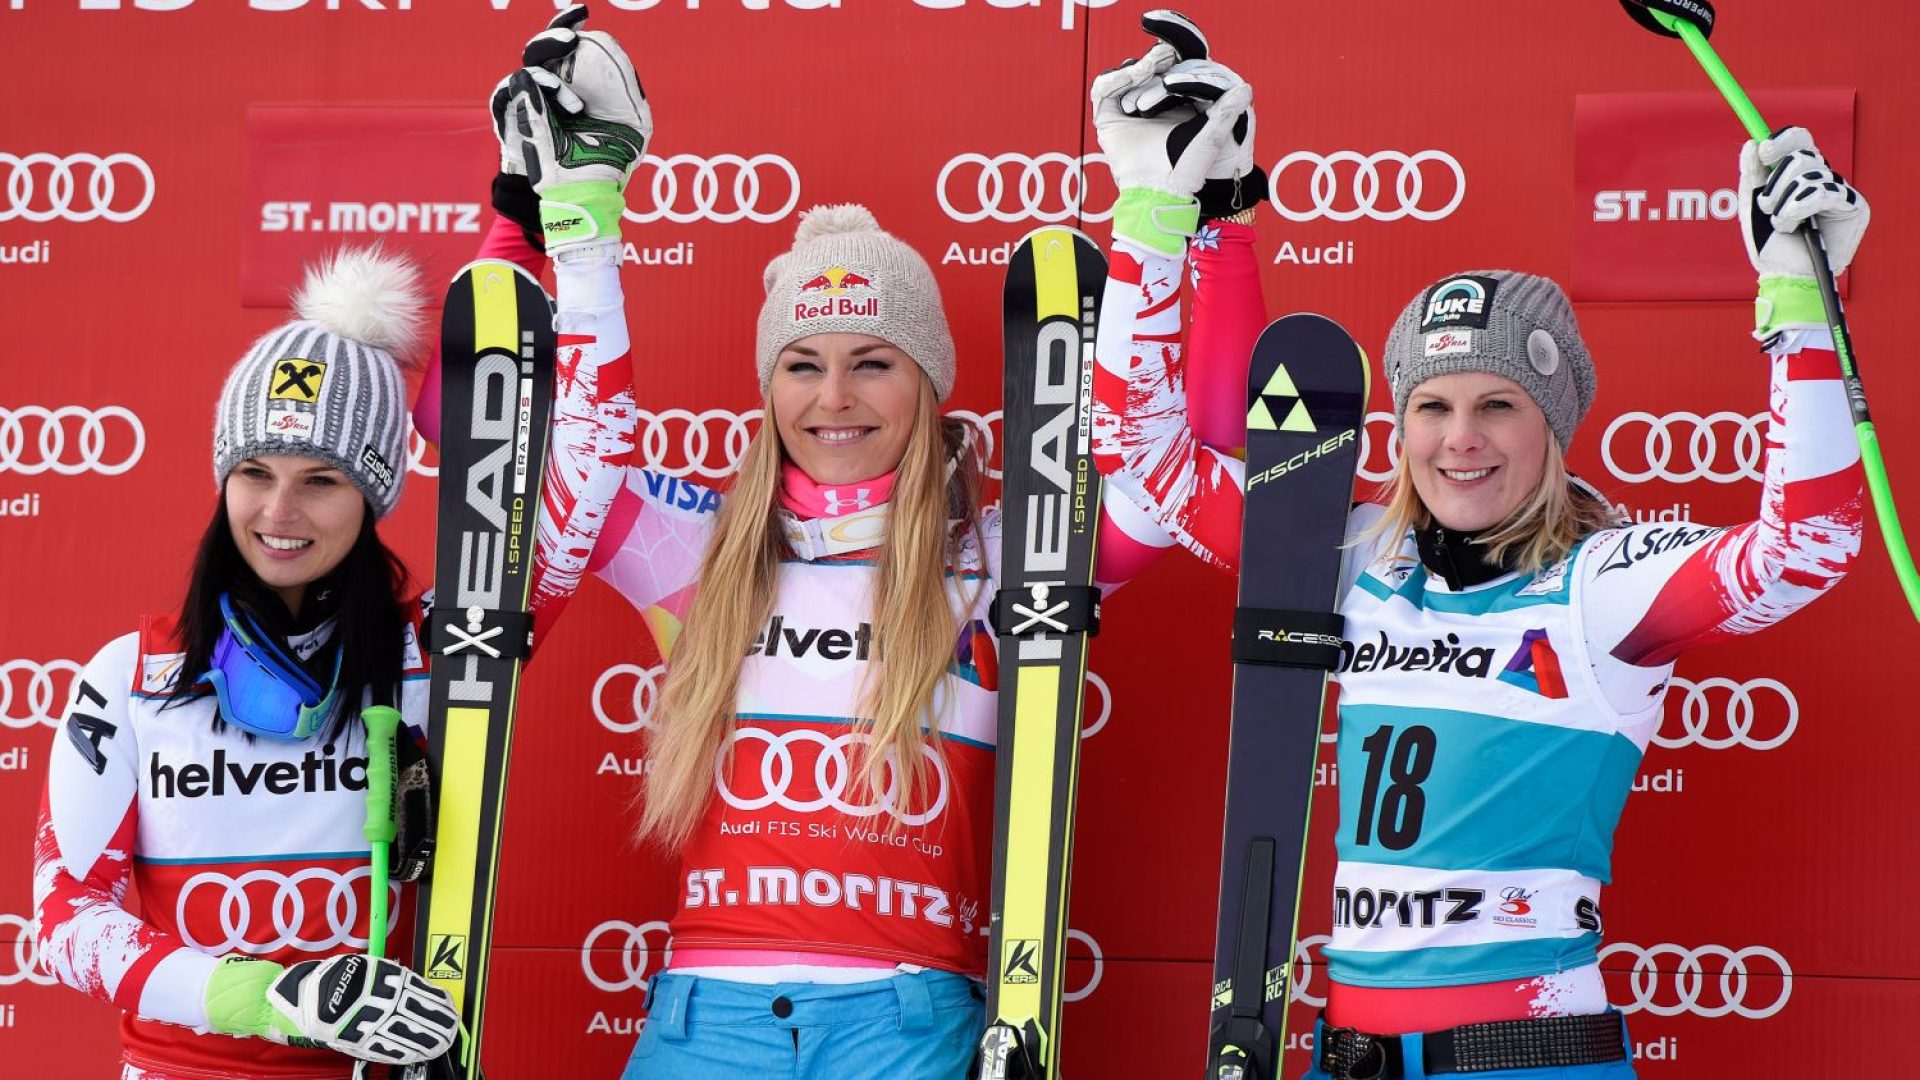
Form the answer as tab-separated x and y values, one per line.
1234	184
1785	182
577	123
365	1007
1159	161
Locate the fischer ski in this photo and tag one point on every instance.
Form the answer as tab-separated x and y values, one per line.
497	367
1046	608
1307	400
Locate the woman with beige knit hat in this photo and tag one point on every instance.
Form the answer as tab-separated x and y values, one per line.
821	757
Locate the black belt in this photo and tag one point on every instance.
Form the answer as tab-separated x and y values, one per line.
1549	1042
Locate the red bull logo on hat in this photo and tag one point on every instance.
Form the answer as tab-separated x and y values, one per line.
837	292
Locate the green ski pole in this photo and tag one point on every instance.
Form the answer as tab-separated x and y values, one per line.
1691	21
382	723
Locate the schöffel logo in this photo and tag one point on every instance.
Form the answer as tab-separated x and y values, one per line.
1640	546
44	187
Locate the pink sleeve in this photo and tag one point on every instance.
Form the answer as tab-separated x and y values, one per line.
1688	587
1229	311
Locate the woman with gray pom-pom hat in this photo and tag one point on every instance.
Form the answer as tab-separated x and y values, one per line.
215	762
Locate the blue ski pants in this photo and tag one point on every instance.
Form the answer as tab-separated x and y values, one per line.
920	1026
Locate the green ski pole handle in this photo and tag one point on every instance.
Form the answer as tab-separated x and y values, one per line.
1692	21
382	724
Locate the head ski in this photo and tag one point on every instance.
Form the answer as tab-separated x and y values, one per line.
1045	609
497	366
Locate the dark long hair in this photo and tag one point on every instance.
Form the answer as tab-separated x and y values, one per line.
363	595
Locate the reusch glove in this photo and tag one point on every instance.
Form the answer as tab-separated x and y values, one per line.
578	123
1784	182
1159	161
362	1006
1234	183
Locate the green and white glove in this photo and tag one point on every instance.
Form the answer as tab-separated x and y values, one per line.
1159	161
362	1006
577	122
1784	182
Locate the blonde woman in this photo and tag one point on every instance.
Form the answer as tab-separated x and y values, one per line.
1509	645
822	757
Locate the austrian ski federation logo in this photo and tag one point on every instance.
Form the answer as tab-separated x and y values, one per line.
1280	398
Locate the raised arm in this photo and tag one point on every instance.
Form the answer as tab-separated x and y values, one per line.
1706	585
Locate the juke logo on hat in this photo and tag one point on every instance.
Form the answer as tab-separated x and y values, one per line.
837	292
1459	302
297	379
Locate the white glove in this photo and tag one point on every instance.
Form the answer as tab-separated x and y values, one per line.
1159	161
1784	182
575	122
1233	182
365	1007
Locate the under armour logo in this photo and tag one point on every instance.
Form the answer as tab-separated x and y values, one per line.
299	380
836	505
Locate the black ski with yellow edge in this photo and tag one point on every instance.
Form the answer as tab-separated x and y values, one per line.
497	370
1306	402
1044	611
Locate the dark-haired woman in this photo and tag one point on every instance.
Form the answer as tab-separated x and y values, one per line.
215	763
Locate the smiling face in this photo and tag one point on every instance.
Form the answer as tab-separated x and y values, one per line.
844	405
294	519
1475	446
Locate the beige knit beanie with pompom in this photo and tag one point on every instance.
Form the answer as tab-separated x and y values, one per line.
846	275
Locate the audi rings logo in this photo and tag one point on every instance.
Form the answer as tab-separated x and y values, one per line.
70	440
1724	447
724	188
292	905
1099	705
1710	981
1386	186
619	955
1304	965
31	693
1379	450
1049	187
785	783
1099	965
622	706
1759	714
77	187
709	444
26	966
418	449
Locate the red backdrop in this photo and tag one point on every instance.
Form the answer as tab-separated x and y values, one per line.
169	162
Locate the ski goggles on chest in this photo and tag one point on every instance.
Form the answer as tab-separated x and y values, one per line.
261	688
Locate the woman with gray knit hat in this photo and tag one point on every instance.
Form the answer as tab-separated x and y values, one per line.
832	813
216	762
1508	643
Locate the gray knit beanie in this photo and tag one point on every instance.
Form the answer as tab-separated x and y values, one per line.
845	275
1504	322
328	385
